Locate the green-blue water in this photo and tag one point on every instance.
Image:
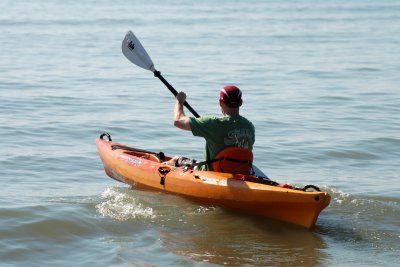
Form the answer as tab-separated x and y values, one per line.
320	82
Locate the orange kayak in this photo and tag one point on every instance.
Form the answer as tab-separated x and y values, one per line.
234	191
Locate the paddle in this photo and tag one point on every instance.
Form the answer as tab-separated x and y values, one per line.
135	53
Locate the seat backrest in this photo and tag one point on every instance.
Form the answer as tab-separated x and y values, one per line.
233	160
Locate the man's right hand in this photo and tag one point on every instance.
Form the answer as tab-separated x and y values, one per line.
181	97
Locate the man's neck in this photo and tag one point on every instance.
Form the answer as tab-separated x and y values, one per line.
232	112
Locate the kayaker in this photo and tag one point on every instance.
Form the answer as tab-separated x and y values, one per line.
231	130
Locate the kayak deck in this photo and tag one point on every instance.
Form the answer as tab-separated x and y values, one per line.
139	167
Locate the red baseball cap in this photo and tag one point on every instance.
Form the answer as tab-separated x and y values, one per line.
231	96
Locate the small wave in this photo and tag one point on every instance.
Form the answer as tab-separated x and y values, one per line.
122	206
389	141
202	210
339	196
365	69
370	204
363	221
351	154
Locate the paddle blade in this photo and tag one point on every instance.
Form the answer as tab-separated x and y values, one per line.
135	52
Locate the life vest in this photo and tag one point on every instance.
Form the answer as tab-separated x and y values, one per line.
233	160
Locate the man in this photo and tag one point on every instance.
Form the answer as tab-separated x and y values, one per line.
231	130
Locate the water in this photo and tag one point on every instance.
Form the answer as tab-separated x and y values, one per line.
321	84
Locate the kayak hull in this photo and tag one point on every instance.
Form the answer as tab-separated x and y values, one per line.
223	189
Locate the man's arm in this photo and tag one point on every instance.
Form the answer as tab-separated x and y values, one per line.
180	119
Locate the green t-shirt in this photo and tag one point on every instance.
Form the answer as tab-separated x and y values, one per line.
223	132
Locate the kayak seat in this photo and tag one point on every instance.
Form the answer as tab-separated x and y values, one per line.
153	158
233	160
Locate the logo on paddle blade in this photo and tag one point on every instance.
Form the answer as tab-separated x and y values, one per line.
131	45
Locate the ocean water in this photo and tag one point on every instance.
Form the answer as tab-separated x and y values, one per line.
321	84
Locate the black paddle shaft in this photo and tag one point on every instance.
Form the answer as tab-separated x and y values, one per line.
173	91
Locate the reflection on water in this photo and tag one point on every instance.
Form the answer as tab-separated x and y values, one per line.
224	238
214	235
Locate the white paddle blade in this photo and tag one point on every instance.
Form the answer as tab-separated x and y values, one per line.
134	51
